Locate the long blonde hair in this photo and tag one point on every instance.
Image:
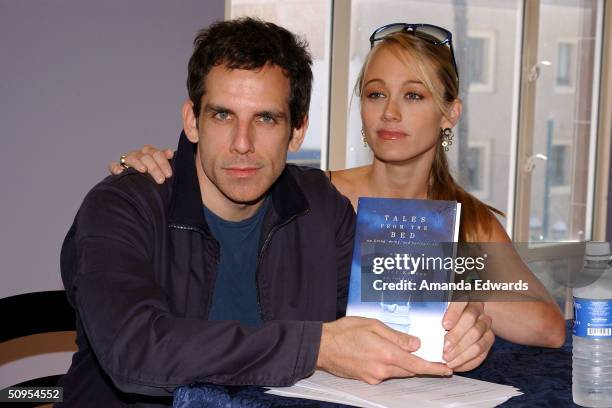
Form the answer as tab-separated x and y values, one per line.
476	216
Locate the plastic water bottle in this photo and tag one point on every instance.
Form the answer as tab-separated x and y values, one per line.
592	333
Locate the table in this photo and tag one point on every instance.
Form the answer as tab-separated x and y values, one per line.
543	375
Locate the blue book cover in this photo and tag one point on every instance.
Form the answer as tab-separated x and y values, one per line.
402	264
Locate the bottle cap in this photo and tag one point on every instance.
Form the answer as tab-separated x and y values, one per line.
597	249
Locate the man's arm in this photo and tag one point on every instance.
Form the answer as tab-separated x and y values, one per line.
368	350
345	235
143	345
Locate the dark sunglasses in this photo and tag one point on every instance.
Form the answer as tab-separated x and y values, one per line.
429	32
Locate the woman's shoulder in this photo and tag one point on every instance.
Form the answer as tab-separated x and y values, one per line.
347	180
350	182
491	230
352	175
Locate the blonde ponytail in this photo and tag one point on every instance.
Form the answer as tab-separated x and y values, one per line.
476	217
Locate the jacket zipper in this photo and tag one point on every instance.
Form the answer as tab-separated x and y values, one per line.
201	232
185	227
260	257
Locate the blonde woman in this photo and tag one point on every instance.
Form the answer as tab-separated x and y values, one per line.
408	92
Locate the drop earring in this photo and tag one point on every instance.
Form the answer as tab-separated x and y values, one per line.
363	138
447	137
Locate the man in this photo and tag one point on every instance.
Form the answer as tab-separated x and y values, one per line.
226	273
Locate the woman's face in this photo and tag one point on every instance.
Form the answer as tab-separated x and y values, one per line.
400	117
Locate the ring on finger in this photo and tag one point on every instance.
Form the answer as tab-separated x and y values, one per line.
122	162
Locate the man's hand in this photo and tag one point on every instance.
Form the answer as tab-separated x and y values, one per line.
469	336
150	160
368	350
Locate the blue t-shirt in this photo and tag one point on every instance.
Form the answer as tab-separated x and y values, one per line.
235	291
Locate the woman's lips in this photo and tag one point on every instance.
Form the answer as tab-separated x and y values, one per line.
390	134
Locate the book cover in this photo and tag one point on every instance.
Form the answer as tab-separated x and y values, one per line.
402	264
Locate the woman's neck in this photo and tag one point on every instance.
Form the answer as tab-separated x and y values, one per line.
407	179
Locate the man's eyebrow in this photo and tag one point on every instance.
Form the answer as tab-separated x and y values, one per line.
216	108
276	114
273	113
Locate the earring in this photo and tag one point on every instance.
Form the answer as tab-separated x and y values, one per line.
447	137
363	138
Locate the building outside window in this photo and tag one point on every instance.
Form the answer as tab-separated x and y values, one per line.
480	52
478	168
565	62
559	166
474	168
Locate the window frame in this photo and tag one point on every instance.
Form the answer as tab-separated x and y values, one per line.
604	127
526	121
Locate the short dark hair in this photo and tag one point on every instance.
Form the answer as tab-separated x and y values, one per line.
248	43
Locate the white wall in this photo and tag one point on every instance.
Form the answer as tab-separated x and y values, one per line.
80	83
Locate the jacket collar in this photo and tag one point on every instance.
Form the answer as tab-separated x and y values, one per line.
288	199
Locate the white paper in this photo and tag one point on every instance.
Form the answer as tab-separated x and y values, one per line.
424	392
308	393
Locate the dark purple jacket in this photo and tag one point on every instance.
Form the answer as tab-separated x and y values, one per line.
139	264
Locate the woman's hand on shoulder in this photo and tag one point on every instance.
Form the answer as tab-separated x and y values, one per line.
149	159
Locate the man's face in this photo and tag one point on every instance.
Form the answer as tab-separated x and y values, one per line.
243	136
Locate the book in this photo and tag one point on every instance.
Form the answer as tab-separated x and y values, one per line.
402	266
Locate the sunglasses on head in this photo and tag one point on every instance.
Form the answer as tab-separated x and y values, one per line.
429	32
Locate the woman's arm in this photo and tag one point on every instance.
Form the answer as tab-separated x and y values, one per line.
531	317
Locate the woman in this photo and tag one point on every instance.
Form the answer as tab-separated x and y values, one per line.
408	90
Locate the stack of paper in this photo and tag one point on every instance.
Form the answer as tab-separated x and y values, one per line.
419	392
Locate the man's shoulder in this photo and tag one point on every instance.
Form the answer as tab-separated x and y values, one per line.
317	188
132	187
311	180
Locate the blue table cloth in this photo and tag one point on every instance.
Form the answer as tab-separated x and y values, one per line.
543	375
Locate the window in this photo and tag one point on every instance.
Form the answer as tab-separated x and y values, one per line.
311	20
563	124
559	165
474	168
478	168
537	101
565	63
480	54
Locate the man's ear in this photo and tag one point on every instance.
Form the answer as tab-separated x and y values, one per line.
297	136
190	124
454	113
